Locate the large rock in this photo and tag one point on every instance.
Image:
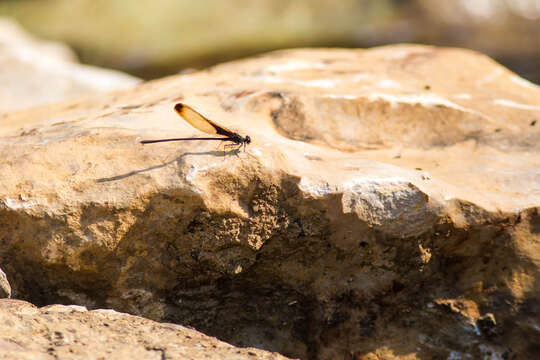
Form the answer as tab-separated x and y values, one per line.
35	72
386	207
73	332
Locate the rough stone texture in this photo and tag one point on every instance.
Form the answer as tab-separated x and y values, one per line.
35	72
5	288
73	332
387	206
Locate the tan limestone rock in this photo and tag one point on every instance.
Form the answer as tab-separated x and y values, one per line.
387	205
73	332
35	72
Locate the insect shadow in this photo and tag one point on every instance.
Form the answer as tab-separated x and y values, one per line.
178	158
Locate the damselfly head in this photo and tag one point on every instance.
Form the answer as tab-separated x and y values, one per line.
247	139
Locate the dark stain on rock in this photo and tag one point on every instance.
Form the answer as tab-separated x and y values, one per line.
487	325
301	232
535	222
195	254
275	94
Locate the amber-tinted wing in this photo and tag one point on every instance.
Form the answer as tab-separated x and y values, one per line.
200	122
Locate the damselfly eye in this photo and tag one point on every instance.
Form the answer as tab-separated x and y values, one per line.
248	139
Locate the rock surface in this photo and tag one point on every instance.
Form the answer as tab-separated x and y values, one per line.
35	72
5	288
387	206
73	332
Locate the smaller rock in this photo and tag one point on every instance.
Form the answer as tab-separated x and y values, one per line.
72	332
27	63
5	288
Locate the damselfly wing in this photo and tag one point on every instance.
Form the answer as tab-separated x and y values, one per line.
200	122
203	124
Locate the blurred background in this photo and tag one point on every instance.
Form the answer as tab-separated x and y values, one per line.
154	38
